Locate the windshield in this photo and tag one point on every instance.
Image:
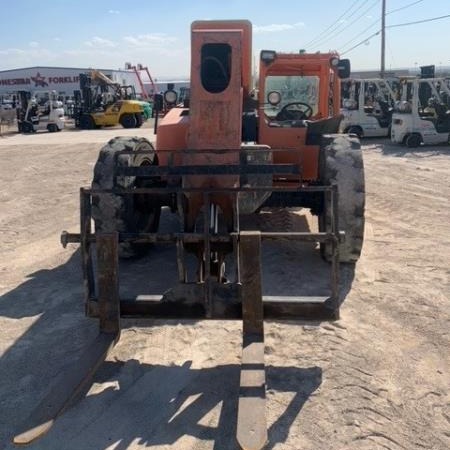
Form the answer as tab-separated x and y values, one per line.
295	91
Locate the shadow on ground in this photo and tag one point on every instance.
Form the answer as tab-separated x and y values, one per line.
156	404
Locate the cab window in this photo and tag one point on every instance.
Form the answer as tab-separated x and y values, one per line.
299	97
215	67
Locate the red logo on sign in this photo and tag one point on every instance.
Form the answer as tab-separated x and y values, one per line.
39	80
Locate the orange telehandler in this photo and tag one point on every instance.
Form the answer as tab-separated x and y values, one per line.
235	150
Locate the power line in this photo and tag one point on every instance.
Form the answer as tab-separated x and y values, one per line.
372	5
334	23
377	21
359	34
404	7
320	38
361	43
394	26
418	21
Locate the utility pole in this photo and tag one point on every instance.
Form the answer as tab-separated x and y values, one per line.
383	42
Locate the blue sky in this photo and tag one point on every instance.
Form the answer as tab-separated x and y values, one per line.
106	34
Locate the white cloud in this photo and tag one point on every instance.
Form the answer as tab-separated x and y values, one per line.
83	52
100	42
149	40
17	57
12	51
29	53
276	27
113	11
34	44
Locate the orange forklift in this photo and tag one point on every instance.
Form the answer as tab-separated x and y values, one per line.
238	148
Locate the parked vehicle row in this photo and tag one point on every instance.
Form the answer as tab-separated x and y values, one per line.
410	111
422	116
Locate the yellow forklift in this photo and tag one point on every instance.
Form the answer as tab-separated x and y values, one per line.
95	107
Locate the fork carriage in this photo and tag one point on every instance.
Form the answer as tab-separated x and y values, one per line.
209	298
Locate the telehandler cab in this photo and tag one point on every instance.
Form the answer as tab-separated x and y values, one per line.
233	152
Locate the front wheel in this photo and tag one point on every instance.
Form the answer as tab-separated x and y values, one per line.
139	120
27	127
128	121
341	163
87	122
413	140
129	213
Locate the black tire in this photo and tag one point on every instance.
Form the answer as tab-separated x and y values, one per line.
341	162
128	121
139	120
87	122
27	127
356	130
125	213
413	140
52	128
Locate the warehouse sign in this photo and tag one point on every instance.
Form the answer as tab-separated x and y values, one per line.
38	81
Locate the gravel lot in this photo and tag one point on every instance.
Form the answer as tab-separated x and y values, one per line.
377	379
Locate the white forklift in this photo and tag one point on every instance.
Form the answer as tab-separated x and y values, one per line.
367	106
40	111
422	117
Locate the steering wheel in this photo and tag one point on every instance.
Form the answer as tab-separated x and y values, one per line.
292	111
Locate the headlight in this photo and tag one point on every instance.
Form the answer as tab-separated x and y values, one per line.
170	97
268	56
334	61
274	97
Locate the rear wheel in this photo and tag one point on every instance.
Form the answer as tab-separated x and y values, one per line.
413	140
356	130
125	213
52	128
27	127
341	162
139	120
87	122
128	120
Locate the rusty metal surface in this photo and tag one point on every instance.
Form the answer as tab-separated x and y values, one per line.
171	238
282	308
108	282
250	277
223	308
251	423
85	247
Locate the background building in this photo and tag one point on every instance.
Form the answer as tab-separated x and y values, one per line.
63	80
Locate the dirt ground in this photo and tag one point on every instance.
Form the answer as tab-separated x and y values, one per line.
377	379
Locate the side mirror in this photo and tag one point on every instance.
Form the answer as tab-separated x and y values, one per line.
344	68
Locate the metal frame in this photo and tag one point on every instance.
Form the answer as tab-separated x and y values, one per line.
229	306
